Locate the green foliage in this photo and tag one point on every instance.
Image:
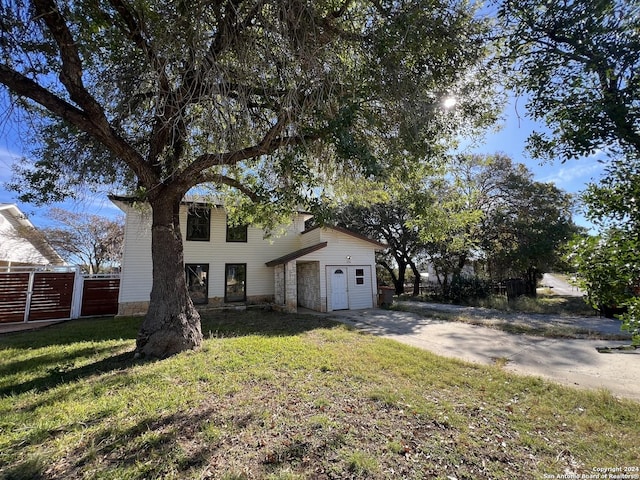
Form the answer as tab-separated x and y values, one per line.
579	60
390	223
468	288
631	319
277	102
524	237
608	269
614	200
489	210
274	100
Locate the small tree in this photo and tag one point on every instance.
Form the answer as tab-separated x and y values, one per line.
524	236
608	267
95	242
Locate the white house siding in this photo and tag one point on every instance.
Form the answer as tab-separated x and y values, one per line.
346	251
254	253
342	249
311	237
137	268
360	295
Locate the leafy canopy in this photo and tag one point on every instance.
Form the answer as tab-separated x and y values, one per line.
579	61
272	100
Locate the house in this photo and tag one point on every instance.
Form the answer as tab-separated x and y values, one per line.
322	269
21	245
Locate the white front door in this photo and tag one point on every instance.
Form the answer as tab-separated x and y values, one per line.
339	298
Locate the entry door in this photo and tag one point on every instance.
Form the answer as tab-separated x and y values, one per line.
339	297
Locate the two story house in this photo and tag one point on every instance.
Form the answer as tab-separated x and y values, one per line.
321	268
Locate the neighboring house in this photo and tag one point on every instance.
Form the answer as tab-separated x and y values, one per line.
322	269
21	244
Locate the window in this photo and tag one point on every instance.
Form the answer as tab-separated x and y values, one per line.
236	282
236	233
359	276
199	224
197	282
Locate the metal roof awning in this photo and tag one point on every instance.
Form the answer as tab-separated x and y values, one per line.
297	254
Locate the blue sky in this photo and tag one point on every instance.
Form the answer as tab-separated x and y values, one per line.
571	176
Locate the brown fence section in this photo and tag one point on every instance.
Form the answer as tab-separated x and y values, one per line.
100	297
52	296
55	295
14	289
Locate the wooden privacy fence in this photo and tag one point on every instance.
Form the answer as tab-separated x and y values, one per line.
31	294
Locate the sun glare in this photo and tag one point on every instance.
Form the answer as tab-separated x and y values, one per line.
449	102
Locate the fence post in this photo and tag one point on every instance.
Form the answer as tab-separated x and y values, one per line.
27	307
78	287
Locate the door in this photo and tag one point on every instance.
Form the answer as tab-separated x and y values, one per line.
197	282
339	295
236	282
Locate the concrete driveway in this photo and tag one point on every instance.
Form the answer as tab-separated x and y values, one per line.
575	363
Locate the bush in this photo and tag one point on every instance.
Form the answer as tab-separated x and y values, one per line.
631	319
464	288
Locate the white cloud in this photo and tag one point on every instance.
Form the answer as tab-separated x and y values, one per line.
582	172
7	159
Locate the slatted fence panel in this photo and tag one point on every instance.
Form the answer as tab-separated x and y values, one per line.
13	296
52	296
100	297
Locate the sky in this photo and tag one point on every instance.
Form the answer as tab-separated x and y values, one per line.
571	176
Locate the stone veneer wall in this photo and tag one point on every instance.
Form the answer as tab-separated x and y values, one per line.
309	285
132	309
291	286
278	279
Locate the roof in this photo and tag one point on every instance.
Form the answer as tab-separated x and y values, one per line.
188	200
297	254
348	232
42	245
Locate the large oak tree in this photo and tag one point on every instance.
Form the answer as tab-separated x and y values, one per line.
276	101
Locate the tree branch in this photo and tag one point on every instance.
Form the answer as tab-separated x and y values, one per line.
269	144
135	30
71	74
231	182
25	87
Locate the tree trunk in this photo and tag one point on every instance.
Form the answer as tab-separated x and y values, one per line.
172	323
399	282
531	282
416	279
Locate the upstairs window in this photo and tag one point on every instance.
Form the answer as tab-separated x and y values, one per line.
236	233
199	224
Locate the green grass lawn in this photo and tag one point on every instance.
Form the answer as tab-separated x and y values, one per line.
286	397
